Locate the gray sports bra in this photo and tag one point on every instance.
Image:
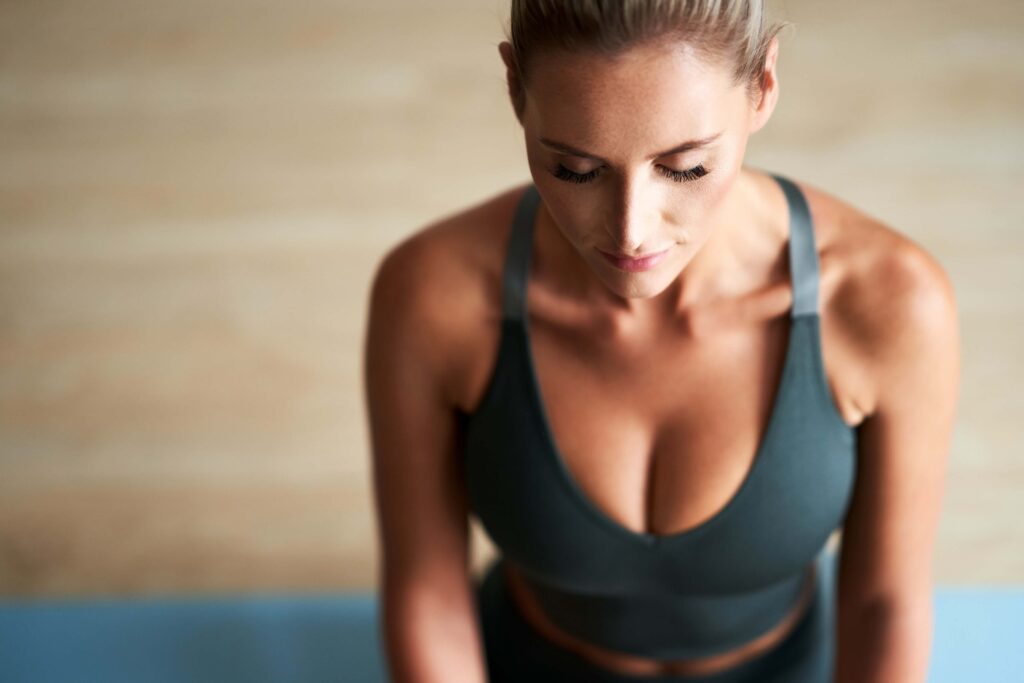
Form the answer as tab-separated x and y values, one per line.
699	592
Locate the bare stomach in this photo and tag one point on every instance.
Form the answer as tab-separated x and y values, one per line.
631	664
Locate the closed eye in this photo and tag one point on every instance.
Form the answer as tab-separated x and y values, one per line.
681	176
699	171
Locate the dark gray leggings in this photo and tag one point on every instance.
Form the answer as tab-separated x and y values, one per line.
517	653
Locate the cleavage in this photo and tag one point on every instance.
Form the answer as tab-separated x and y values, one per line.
659	437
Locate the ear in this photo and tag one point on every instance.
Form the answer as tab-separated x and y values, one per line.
515	87
505	50
769	89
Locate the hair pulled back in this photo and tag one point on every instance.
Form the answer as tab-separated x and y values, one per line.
729	32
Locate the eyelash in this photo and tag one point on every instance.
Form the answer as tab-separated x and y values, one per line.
562	173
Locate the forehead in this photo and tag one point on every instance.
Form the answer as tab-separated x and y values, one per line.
651	86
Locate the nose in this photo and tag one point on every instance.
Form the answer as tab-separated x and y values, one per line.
632	220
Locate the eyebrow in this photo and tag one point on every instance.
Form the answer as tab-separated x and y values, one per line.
684	147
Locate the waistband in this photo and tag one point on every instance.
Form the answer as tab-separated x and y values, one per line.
515	651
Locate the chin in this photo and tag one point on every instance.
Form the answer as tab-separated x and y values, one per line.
643	285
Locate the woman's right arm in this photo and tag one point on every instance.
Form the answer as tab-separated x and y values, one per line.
428	616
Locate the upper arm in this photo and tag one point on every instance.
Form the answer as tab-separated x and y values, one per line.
907	310
420	501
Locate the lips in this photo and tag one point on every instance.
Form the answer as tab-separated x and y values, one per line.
635	264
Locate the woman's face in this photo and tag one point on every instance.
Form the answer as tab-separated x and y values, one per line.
636	155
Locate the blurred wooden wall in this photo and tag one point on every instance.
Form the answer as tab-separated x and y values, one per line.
193	197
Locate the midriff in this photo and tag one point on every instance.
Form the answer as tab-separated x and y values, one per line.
631	664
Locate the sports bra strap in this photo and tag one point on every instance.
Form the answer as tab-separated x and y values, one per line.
517	256
803	255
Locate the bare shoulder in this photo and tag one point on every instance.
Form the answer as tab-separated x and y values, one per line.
888	298
439	288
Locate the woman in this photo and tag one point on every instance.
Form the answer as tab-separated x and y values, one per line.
661	379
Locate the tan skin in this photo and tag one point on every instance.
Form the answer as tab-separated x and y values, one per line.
678	364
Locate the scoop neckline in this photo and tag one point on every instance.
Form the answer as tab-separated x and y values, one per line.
590	508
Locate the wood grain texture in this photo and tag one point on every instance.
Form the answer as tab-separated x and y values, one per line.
193	197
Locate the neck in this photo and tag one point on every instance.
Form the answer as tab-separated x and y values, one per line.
728	263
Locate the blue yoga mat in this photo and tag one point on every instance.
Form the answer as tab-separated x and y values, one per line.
979	636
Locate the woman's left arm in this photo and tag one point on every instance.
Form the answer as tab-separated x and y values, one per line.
907	320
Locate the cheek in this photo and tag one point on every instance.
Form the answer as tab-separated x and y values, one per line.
570	209
575	218
693	212
717	188
706	195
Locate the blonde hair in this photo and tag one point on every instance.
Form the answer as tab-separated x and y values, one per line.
731	32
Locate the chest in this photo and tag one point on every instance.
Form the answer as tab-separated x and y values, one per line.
679	465
660	431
